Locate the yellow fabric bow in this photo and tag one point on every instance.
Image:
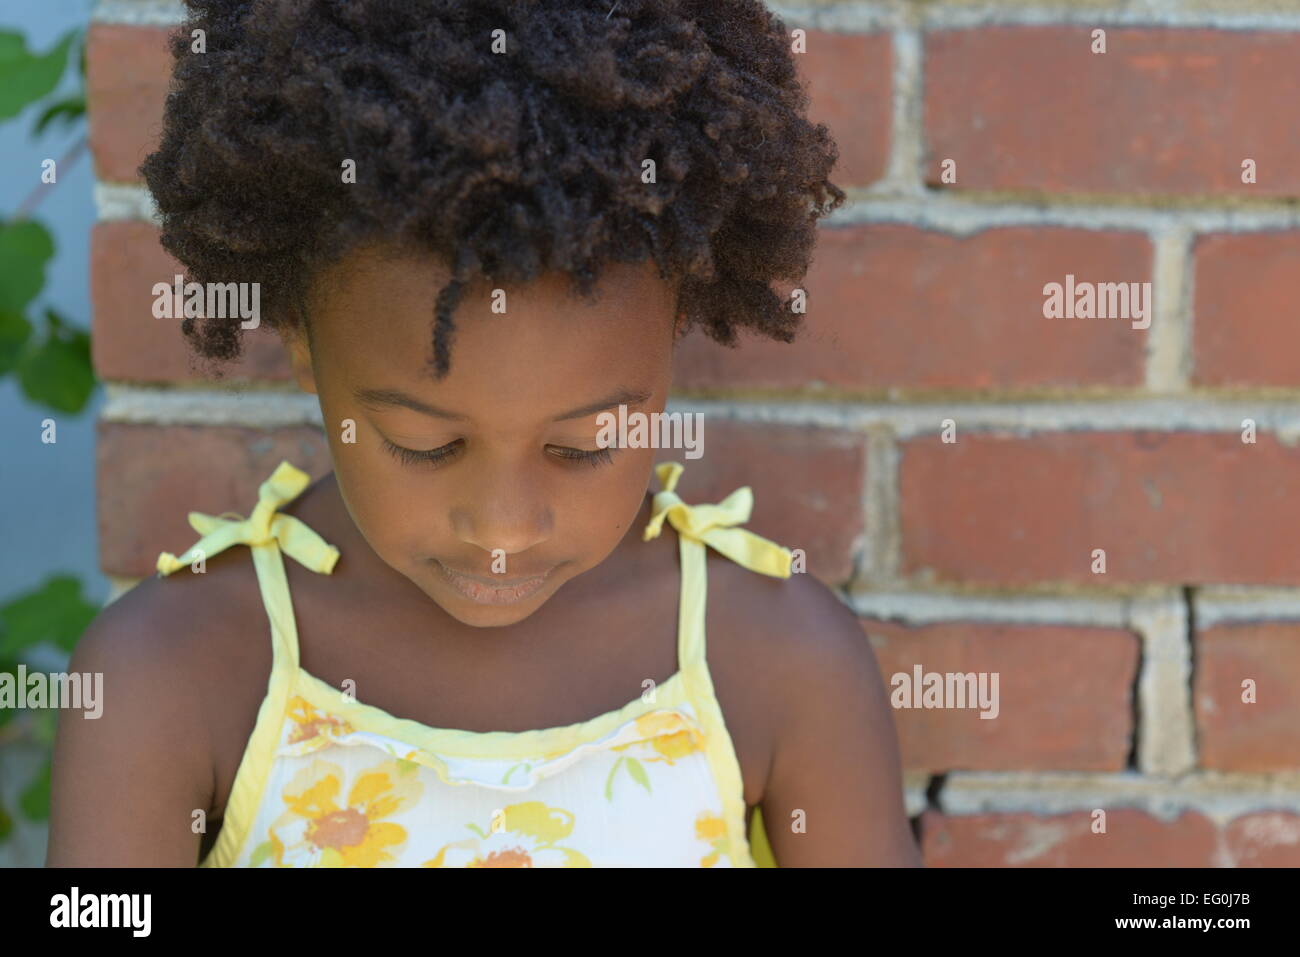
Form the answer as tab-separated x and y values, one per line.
715	525
262	527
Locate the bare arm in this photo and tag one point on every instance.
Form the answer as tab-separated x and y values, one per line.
835	753
125	785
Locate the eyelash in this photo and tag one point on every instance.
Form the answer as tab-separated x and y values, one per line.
595	458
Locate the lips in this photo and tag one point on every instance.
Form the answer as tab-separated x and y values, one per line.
495	581
488	591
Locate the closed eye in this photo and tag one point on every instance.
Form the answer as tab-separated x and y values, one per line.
429	457
594	457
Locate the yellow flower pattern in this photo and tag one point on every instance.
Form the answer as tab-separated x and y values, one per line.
312	728
520	835
662	736
318	830
712	829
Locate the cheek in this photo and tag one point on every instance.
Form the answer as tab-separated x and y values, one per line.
379	500
625	494
369	500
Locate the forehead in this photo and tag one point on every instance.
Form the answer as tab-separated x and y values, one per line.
372	323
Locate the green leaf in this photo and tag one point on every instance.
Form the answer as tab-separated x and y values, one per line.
25	78
55	613
45	723
6	824
10	666
522	764
637	770
609	781
25	248
67	112
14	333
35	799
58	373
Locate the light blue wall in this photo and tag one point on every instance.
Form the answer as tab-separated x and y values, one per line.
47	492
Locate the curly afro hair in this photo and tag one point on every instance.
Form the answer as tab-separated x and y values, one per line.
508	137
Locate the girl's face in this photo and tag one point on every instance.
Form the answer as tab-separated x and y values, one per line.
488	490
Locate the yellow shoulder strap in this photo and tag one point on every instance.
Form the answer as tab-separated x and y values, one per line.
715	525
265	526
699	526
267	533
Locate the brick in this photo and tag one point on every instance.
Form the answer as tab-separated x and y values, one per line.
1064	695
1233	735
1164	111
1133	838
129	342
807	485
1169	507
1265	839
128	70
1244	330
849	79
151	477
894	307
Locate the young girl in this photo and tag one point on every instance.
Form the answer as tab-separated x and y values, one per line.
498	651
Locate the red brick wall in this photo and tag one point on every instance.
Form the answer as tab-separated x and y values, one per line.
1120	692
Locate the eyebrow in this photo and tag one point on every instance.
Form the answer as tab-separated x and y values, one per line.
390	398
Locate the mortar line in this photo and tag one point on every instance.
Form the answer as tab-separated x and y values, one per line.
263	407
1169	342
906	149
865	15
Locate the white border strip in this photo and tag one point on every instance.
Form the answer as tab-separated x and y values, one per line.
1242	604
139	13
1214	14
951	213
254	408
118	202
963	214
1223	14
911	607
261	406
1221	797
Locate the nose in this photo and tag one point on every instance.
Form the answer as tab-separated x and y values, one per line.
504	512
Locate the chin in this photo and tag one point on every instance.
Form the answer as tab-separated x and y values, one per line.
478	615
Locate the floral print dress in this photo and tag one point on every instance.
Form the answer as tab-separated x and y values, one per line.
329	781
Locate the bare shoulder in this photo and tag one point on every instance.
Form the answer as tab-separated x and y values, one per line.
831	789
795	631
193	647
186	625
834	768
778	646
128	783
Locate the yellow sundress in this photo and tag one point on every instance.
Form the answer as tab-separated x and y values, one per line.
328	781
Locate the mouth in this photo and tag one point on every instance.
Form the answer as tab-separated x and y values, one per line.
493	591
